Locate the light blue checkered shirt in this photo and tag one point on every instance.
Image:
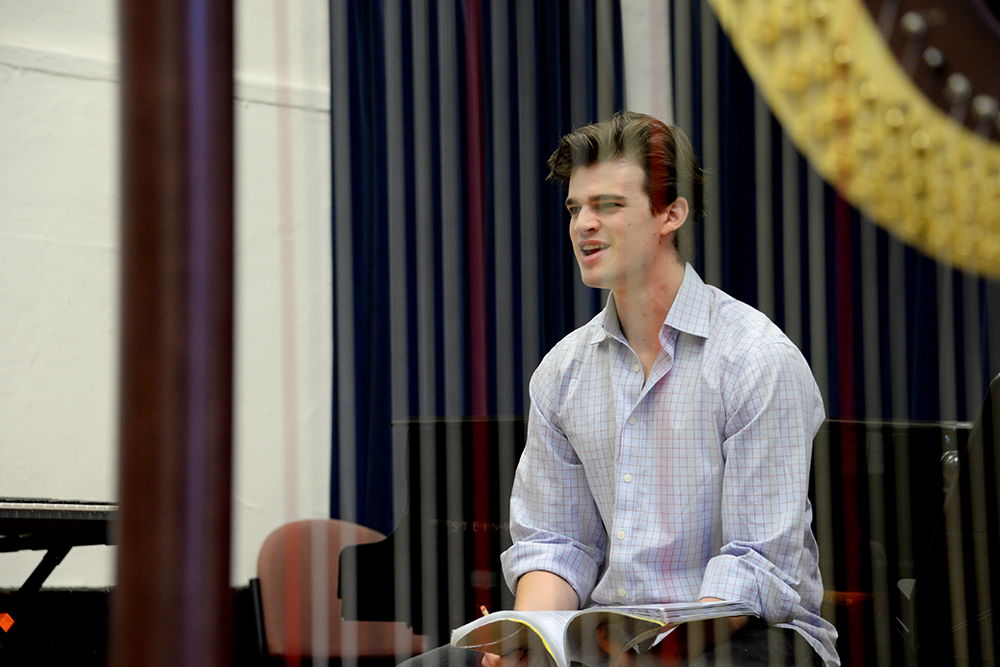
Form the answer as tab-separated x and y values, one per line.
691	484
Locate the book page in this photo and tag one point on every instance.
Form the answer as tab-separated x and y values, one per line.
538	632
621	629
677	612
637	627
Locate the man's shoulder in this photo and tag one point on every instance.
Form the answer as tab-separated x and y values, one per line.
577	342
574	350
746	343
737	324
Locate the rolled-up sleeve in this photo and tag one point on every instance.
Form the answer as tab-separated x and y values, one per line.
554	522
767	548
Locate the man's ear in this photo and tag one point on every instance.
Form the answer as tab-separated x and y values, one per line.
673	216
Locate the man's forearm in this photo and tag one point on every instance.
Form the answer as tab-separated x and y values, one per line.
536	591
545	591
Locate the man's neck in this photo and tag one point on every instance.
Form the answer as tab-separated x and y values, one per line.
641	312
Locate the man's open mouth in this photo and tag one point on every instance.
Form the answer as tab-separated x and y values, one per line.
591	248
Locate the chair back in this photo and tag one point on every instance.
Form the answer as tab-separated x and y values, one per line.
298	572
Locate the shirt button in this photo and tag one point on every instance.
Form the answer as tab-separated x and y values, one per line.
632	420
636	368
628	477
622	592
621	534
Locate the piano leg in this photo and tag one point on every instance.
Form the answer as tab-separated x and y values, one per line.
52	558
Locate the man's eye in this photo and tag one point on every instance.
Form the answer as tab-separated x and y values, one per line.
573	210
609	205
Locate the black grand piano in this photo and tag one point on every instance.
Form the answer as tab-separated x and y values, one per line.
442	561
893	495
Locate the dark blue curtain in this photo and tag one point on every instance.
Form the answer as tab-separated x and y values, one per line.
452	273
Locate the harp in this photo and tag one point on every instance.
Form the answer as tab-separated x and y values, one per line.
895	102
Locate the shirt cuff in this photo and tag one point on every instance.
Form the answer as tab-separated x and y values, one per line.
563	560
732	578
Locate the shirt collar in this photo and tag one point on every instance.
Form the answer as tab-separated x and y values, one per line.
611	326
690	312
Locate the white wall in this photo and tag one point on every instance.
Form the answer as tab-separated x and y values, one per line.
646	46
59	264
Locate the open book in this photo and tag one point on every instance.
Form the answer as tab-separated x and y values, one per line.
567	636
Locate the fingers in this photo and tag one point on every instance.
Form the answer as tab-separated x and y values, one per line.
613	645
603	640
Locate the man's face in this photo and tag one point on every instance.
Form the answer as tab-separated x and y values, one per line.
616	236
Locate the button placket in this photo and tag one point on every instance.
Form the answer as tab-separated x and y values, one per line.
627	505
630	391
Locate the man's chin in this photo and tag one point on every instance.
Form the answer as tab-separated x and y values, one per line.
594	280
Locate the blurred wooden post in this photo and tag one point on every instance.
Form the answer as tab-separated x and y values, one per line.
172	603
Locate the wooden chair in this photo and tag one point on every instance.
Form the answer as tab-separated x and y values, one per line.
299	610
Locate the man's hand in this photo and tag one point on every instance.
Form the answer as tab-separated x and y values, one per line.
536	591
514	659
612	644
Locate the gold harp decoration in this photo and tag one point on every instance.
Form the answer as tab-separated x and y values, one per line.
833	81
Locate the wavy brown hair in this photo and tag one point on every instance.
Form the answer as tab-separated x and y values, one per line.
663	151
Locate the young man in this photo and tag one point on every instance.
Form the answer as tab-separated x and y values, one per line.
670	438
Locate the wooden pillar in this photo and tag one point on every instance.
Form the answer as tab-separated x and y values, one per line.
172	603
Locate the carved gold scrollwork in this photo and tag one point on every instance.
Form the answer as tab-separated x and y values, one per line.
925	166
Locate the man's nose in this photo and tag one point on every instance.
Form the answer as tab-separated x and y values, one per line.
587	220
